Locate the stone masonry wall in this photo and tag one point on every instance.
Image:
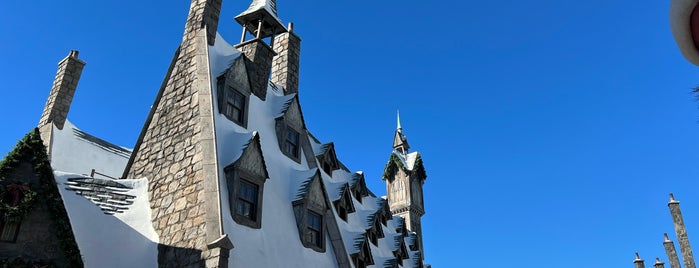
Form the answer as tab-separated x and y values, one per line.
285	66
62	91
177	154
259	63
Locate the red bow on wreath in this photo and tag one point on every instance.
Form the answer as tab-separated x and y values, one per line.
16	192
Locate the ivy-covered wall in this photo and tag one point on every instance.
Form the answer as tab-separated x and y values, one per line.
45	235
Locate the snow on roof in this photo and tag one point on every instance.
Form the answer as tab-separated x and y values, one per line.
269	5
124	239
407	159
75	151
277	243
282	104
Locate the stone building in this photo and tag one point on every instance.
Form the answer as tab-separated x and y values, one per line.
225	172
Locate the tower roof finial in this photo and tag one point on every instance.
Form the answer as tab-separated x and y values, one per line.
398	117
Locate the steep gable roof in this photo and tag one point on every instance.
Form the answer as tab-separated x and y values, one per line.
31	149
252	159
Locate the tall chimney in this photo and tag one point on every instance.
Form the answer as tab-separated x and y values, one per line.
671	252
658	263
258	61
681	232
285	66
62	91
638	262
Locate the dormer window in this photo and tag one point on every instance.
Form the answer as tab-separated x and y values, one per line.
290	130
310	210
245	179
233	93
344	205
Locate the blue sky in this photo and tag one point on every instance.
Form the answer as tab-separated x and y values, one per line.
552	131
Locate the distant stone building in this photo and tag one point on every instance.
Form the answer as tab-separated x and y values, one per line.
225	172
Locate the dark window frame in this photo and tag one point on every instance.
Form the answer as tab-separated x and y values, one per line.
290	147
14	233
314	229
235	107
230	97
235	179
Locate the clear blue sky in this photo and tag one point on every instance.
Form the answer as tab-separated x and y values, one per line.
552	131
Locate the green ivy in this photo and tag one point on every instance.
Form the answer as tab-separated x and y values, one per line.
31	148
394	163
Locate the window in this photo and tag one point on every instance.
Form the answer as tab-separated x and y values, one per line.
245	197
291	143
342	212
235	106
247	200
314	229
9	231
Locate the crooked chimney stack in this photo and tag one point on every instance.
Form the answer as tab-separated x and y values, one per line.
62	91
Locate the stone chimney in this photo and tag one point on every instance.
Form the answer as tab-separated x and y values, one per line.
258	61
682	238
658	263
62	91
638	262
285	66
202	13
671	252
261	21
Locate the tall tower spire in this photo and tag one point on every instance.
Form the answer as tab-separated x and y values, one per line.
398	126
404	176
400	141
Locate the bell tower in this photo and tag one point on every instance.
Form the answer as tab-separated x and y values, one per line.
404	176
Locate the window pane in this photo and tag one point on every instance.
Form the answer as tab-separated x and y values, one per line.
313	231
246	204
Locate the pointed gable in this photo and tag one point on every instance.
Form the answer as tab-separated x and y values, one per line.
44	215
311	212
312	191
358	186
344	205
292	114
252	160
327	158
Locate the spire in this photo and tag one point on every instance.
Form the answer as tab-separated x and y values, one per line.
400	142
398	115
261	19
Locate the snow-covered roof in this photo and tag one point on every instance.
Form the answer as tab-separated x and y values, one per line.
74	151
124	238
257	5
289	181
111	218
408	159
